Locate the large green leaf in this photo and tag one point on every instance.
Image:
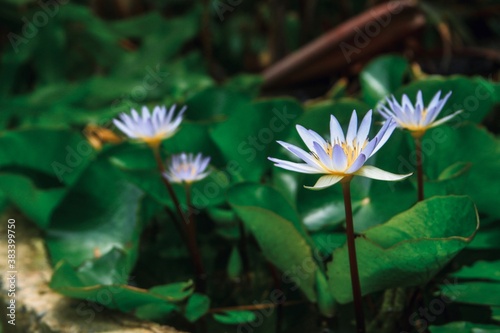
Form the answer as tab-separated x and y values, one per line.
216	103
486	238
235	317
482	286
196	307
175	292
327	241
452	180
273	227
100	212
104	280
248	136
409	249
38	165
36	203
381	77
162	39
248	84
155	311
477	293
487	270
53	152
446	146
326	302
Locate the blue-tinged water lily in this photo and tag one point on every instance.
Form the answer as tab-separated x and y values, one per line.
152	127
416	118
342	156
187	168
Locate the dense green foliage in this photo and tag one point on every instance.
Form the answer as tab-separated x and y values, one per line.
101	206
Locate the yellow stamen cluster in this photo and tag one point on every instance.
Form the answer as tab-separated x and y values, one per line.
351	151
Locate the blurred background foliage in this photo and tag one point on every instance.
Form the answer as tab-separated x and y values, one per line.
68	67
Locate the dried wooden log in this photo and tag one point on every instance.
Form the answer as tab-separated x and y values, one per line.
356	39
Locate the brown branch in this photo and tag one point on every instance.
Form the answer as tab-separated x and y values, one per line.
253	307
327	45
480	52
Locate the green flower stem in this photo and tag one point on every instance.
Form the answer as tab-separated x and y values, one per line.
279	307
186	228
192	243
161	169
420	172
353	264
243	247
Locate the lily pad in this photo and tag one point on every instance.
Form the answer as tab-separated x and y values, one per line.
407	250
235	317
382	76
274	233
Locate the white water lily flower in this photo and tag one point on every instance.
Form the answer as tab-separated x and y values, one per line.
342	157
187	168
416	118
150	127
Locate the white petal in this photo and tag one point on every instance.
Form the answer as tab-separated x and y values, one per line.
370	171
128	121
181	112
364	128
386	113
170	114
306	137
336	132
201	176
339	158
358	163
419	105
172	127
300	153
124	128
435	100
297	167
204	164
155	120
407	106
445	119
325	181
436	110
148	128
195	160
384	134
393	103
323	156
370	147
353	128
135	115
145	113
316	137
162	112
399	114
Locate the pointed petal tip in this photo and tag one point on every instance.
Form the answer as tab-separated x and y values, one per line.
314	188
372	172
